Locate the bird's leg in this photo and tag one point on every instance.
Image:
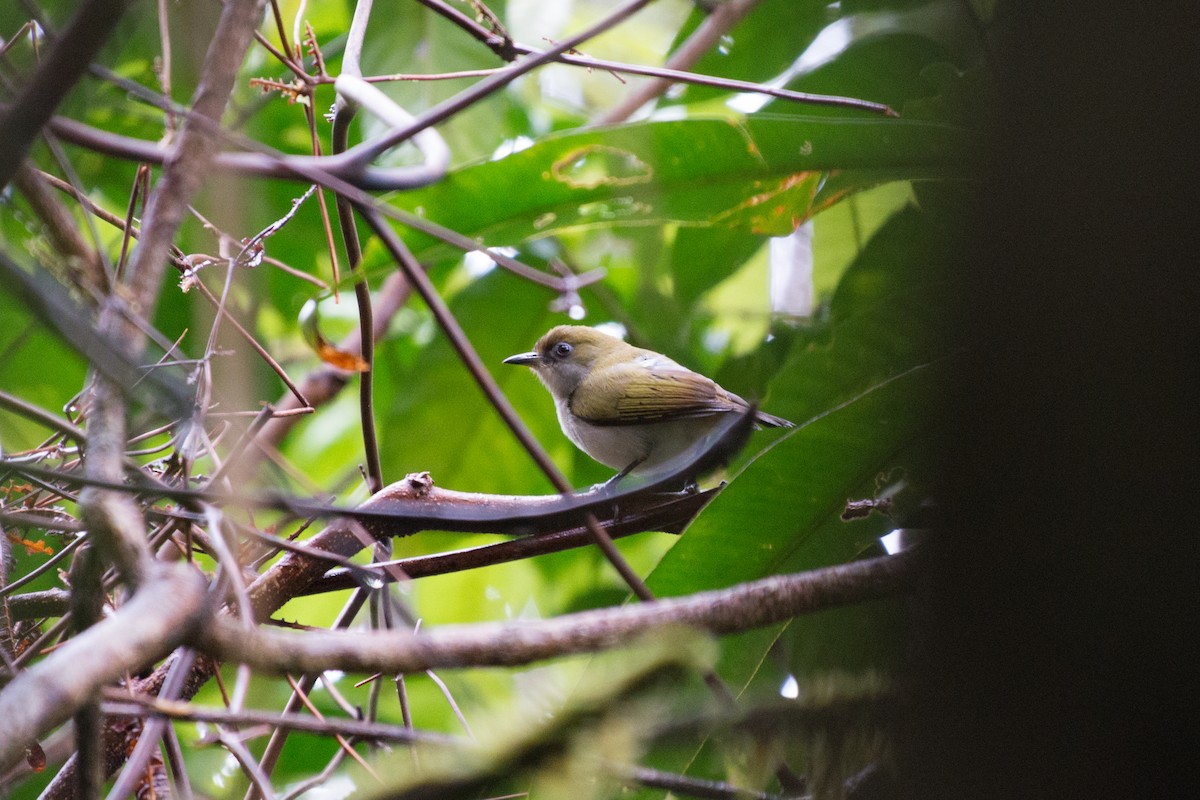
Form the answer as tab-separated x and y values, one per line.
612	482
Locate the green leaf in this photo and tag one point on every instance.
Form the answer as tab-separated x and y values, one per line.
775	512
703	257
758	175
861	388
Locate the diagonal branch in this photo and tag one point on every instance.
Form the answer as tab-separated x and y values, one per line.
21	123
721	20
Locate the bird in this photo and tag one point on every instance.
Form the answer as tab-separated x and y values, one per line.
629	408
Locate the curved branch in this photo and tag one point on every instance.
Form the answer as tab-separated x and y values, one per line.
741	608
345	109
329	172
428	141
412	504
669	513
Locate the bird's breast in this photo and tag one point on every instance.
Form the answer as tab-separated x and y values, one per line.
619	445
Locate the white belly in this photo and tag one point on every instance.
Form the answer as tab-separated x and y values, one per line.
618	446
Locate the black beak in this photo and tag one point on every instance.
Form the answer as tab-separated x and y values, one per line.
526	359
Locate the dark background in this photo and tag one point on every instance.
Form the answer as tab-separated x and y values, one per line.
1058	658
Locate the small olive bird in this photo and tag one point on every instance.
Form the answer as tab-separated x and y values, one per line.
626	407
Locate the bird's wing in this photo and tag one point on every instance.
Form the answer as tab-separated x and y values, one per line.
631	393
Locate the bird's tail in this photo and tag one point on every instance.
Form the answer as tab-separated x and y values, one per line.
772	421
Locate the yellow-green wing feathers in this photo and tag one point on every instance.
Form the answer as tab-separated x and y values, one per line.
628	394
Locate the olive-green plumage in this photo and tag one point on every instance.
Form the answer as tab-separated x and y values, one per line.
626	406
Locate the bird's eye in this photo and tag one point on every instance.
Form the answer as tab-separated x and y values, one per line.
562	350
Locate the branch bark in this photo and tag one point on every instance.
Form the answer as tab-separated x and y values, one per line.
158	618
747	606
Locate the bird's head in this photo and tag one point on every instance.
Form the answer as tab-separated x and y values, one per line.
567	354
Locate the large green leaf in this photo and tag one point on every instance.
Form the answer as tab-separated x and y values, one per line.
862	389
859	390
776	511
760	174
868	50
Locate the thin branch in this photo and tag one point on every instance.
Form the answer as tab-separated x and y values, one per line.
719	21
367	152
345	110
250	766
640	513
164	65
510	50
41	415
327	171
741	608
187	165
470	359
279	736
413	504
119	703
152	731
688	786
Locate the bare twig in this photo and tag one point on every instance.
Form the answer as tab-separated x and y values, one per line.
510	50
120	703
345	110
722	17
326	171
152	730
367	152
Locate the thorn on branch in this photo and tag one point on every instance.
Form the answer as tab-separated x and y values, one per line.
295	91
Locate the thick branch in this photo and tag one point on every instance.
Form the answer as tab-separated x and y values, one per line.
113	517
160	616
747	606
449	510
